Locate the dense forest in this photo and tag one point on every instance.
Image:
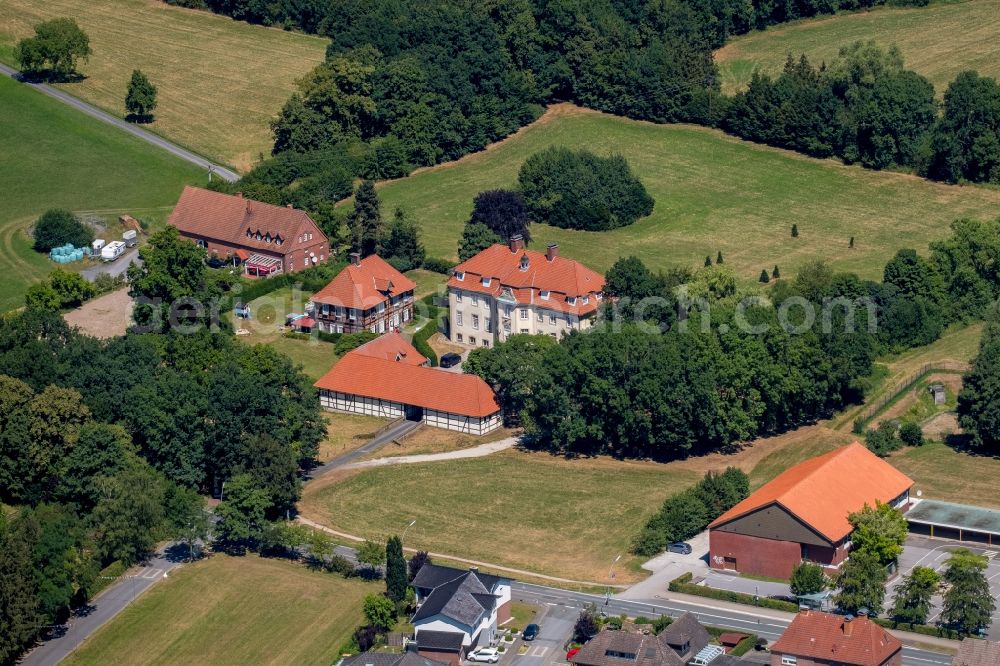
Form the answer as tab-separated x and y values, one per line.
415	82
663	376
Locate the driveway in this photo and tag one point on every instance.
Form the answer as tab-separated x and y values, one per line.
934	553
549	647
112	268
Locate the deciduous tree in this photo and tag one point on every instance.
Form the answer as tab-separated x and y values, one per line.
807	578
968	602
862	584
912	602
503	212
53	50
140	99
475	239
879	531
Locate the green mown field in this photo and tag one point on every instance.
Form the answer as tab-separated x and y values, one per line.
233	610
219	81
52	156
938	41
713	192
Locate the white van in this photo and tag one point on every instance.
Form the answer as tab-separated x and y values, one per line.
112	250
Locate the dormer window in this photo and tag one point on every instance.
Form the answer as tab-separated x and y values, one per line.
586	299
249	234
459	275
524	262
259	237
545	295
600	296
487	281
571	300
267	237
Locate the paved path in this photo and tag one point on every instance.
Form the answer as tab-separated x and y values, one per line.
112	268
395	430
109	603
121	124
472	452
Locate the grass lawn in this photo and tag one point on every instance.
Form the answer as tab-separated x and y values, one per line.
428	282
938	41
265	326
436	440
521	615
219	81
943	473
52	156
713	192
346	432
584	512
228	610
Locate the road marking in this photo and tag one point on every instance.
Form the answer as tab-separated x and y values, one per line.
539	651
151	573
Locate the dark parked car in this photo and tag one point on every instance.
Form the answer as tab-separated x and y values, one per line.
530	632
679	547
450	359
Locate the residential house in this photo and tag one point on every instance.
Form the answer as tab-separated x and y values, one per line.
676	645
802	513
505	290
368	295
977	652
457	611
264	238
388	377
824	639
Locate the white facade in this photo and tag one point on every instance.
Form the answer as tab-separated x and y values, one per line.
351	403
483	633
480	320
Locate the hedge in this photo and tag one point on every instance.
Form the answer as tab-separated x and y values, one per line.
684	585
311	279
925	629
421	337
108	575
438	265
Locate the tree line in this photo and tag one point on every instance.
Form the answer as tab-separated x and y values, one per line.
659	377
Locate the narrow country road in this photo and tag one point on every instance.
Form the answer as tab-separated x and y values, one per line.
472	452
393	431
113	600
121	124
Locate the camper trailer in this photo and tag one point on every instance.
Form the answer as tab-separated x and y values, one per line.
96	247
112	250
129	238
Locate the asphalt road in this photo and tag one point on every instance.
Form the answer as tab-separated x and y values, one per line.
131	128
392	432
767	627
112	601
549	647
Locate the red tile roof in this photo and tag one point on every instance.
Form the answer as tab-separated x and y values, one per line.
822	491
392	347
373	377
227	218
560	276
831	638
977	652
364	286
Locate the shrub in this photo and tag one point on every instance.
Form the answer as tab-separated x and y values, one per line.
58	227
351	341
683	585
579	190
911	434
807	578
438	265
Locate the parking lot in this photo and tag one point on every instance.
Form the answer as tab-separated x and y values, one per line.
548	649
934	553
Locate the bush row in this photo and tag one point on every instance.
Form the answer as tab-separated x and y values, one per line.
682	584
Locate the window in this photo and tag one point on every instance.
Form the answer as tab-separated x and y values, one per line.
524	313
458	336
475	322
600	296
406	315
541	316
458	297
552	319
458	318
472	340
571	300
486	343
545	295
249	234
524	330
259	236
475	301
487	281
459	275
507	310
488	325
788	660
586	299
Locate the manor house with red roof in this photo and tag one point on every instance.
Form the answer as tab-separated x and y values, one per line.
505	290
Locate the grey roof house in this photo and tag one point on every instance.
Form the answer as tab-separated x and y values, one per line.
674	646
457	610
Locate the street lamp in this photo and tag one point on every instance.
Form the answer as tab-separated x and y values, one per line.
611	577
412	523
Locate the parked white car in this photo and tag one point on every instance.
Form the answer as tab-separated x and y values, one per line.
487	655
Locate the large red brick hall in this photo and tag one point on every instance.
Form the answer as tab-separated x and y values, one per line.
802	513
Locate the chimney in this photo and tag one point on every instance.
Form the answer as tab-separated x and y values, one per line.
239	195
848	626
356	258
289	206
552	252
249	209
516	243
474	569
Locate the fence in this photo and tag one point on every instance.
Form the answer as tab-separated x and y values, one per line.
904	385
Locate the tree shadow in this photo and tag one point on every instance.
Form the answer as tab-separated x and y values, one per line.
140	118
50	76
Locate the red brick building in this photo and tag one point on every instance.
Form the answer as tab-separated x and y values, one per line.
264	238
368	295
822	639
802	513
